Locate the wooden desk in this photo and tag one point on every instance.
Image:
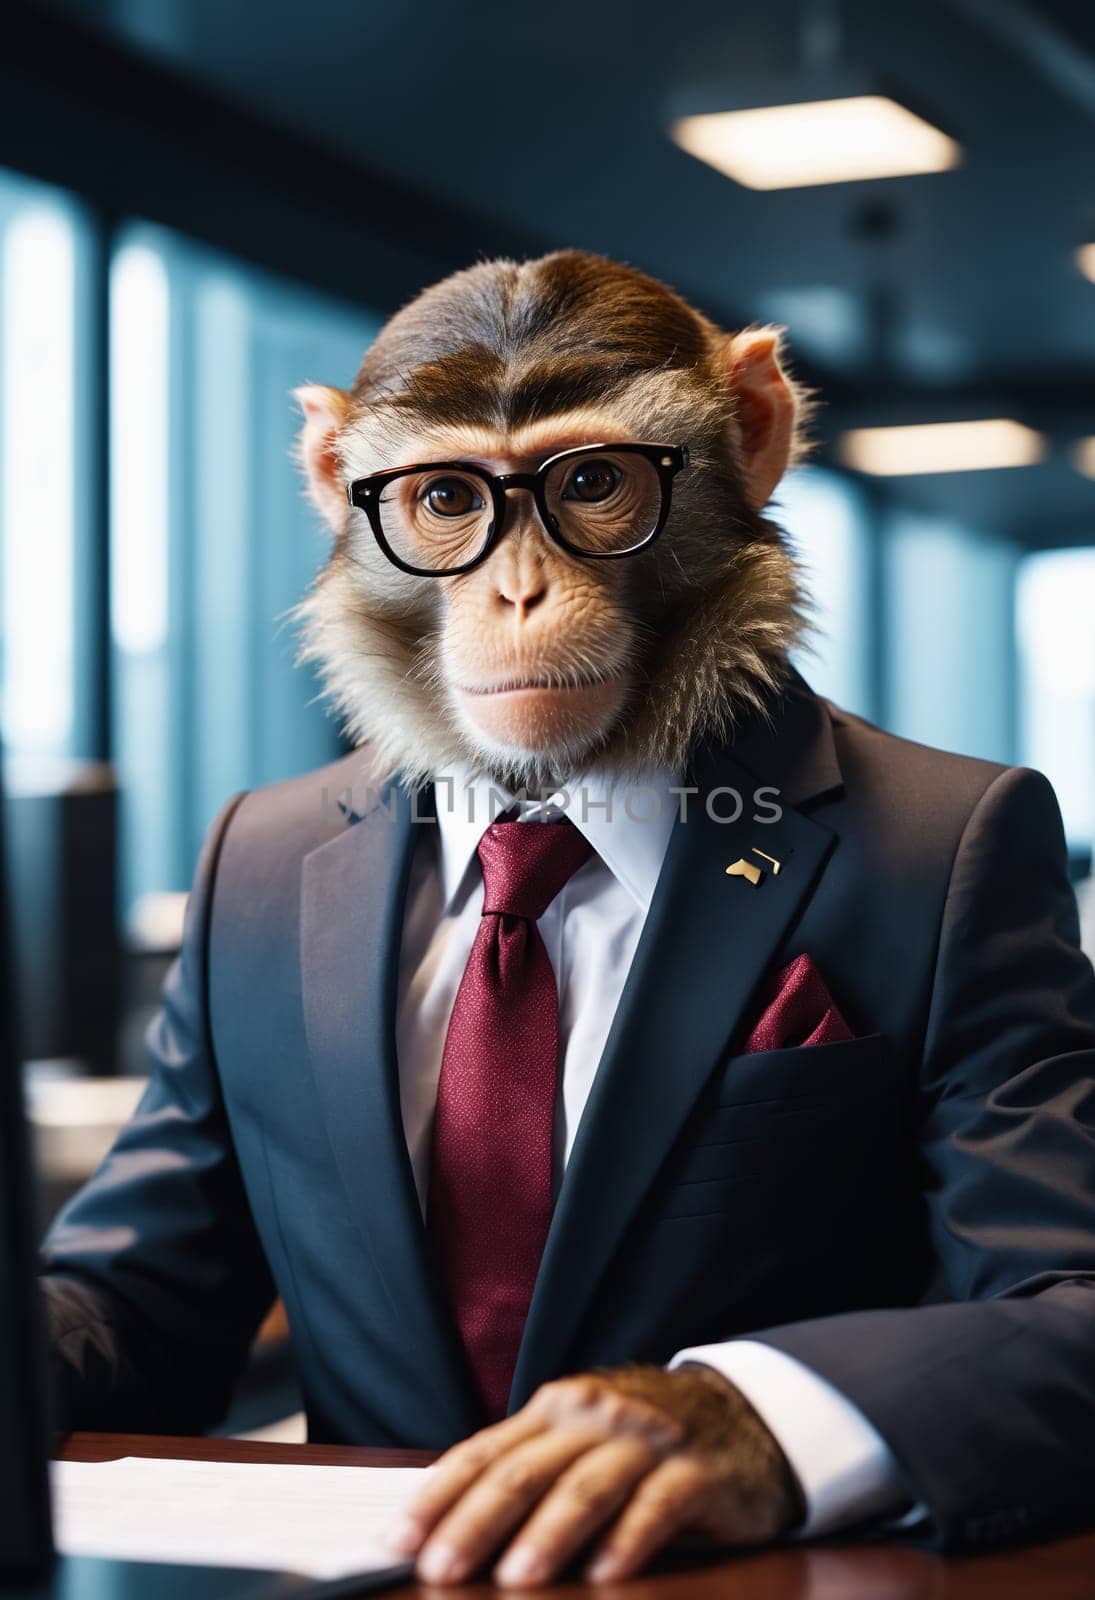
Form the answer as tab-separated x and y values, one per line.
1061	1571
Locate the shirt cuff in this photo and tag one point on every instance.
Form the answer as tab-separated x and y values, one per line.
844	1467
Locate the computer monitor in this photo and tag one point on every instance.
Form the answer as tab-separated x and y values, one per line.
25	1544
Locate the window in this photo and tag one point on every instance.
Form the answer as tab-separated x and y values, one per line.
947	637
825	517
1055	628
42	460
914	616
213	541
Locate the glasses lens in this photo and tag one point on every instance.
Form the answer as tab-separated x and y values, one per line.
605	502
436	519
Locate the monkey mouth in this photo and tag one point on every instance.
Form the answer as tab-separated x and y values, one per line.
539	711
537	685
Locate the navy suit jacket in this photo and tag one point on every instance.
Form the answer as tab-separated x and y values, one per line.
811	1197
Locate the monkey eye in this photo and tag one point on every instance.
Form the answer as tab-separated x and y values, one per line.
591	481
452	497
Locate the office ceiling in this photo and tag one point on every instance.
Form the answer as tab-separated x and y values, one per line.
916	298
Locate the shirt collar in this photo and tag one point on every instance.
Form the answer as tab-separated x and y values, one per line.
628	823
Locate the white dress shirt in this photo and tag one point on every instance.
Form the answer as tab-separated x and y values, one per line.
591	929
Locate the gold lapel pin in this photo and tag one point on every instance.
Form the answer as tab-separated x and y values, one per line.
749	869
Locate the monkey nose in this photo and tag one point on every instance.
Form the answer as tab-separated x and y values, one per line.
523	597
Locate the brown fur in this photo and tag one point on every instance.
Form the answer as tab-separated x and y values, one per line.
721	1426
705	618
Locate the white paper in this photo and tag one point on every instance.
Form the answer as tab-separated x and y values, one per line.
323	1522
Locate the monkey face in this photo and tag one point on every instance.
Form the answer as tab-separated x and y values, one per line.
537	649
538	664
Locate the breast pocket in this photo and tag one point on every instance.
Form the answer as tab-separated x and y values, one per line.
812	1070
775	1121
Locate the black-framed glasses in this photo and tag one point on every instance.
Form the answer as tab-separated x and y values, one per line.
597	501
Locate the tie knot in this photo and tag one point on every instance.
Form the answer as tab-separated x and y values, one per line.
525	864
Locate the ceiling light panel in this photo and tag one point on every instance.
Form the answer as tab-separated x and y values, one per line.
817	141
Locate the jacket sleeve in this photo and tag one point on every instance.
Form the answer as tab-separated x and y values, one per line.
155	1280
988	1401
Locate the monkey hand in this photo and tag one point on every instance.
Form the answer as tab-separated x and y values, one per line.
619	1463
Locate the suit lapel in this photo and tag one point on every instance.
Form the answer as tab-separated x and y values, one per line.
706	944
353	891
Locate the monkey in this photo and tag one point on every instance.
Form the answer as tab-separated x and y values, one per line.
627	663
554	560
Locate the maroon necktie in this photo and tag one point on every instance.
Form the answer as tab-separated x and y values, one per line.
491	1170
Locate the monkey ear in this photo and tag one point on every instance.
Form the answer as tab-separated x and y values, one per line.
768	410
325	411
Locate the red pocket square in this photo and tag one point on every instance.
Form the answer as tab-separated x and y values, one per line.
796	1009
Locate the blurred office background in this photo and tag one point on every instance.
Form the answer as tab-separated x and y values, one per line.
204	203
